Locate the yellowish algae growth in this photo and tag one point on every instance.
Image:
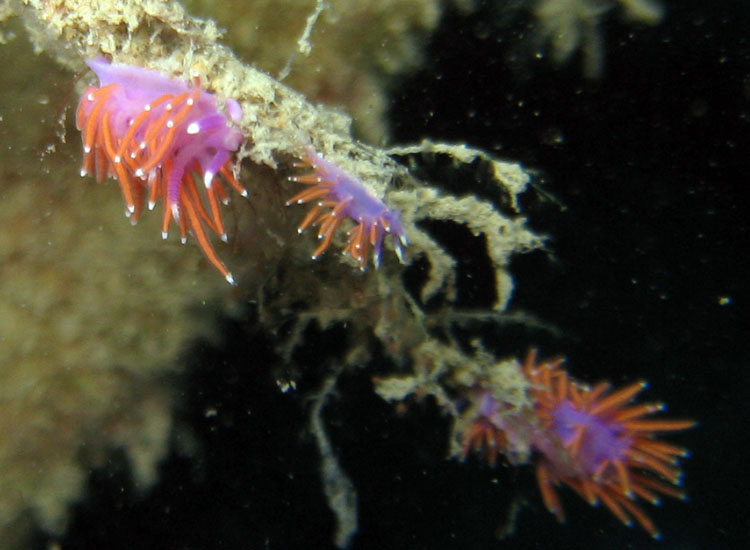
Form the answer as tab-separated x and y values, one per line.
349	57
440	368
95	312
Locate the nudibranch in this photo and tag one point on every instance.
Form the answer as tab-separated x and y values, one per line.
338	196
159	137
590	439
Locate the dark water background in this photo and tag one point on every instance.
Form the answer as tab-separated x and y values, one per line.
650	163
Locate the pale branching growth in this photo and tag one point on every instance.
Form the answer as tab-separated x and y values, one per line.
441	370
339	490
504	234
569	25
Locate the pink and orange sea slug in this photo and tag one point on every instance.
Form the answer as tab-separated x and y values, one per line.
338	196
162	139
591	439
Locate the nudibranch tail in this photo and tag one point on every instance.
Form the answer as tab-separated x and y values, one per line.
153	133
338	196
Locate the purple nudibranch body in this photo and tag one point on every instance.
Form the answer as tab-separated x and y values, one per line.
153	133
339	195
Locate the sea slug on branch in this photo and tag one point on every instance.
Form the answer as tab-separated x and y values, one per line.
591	439
338	196
154	134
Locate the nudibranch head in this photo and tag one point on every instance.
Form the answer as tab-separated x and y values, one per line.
600	445
338	196
155	134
